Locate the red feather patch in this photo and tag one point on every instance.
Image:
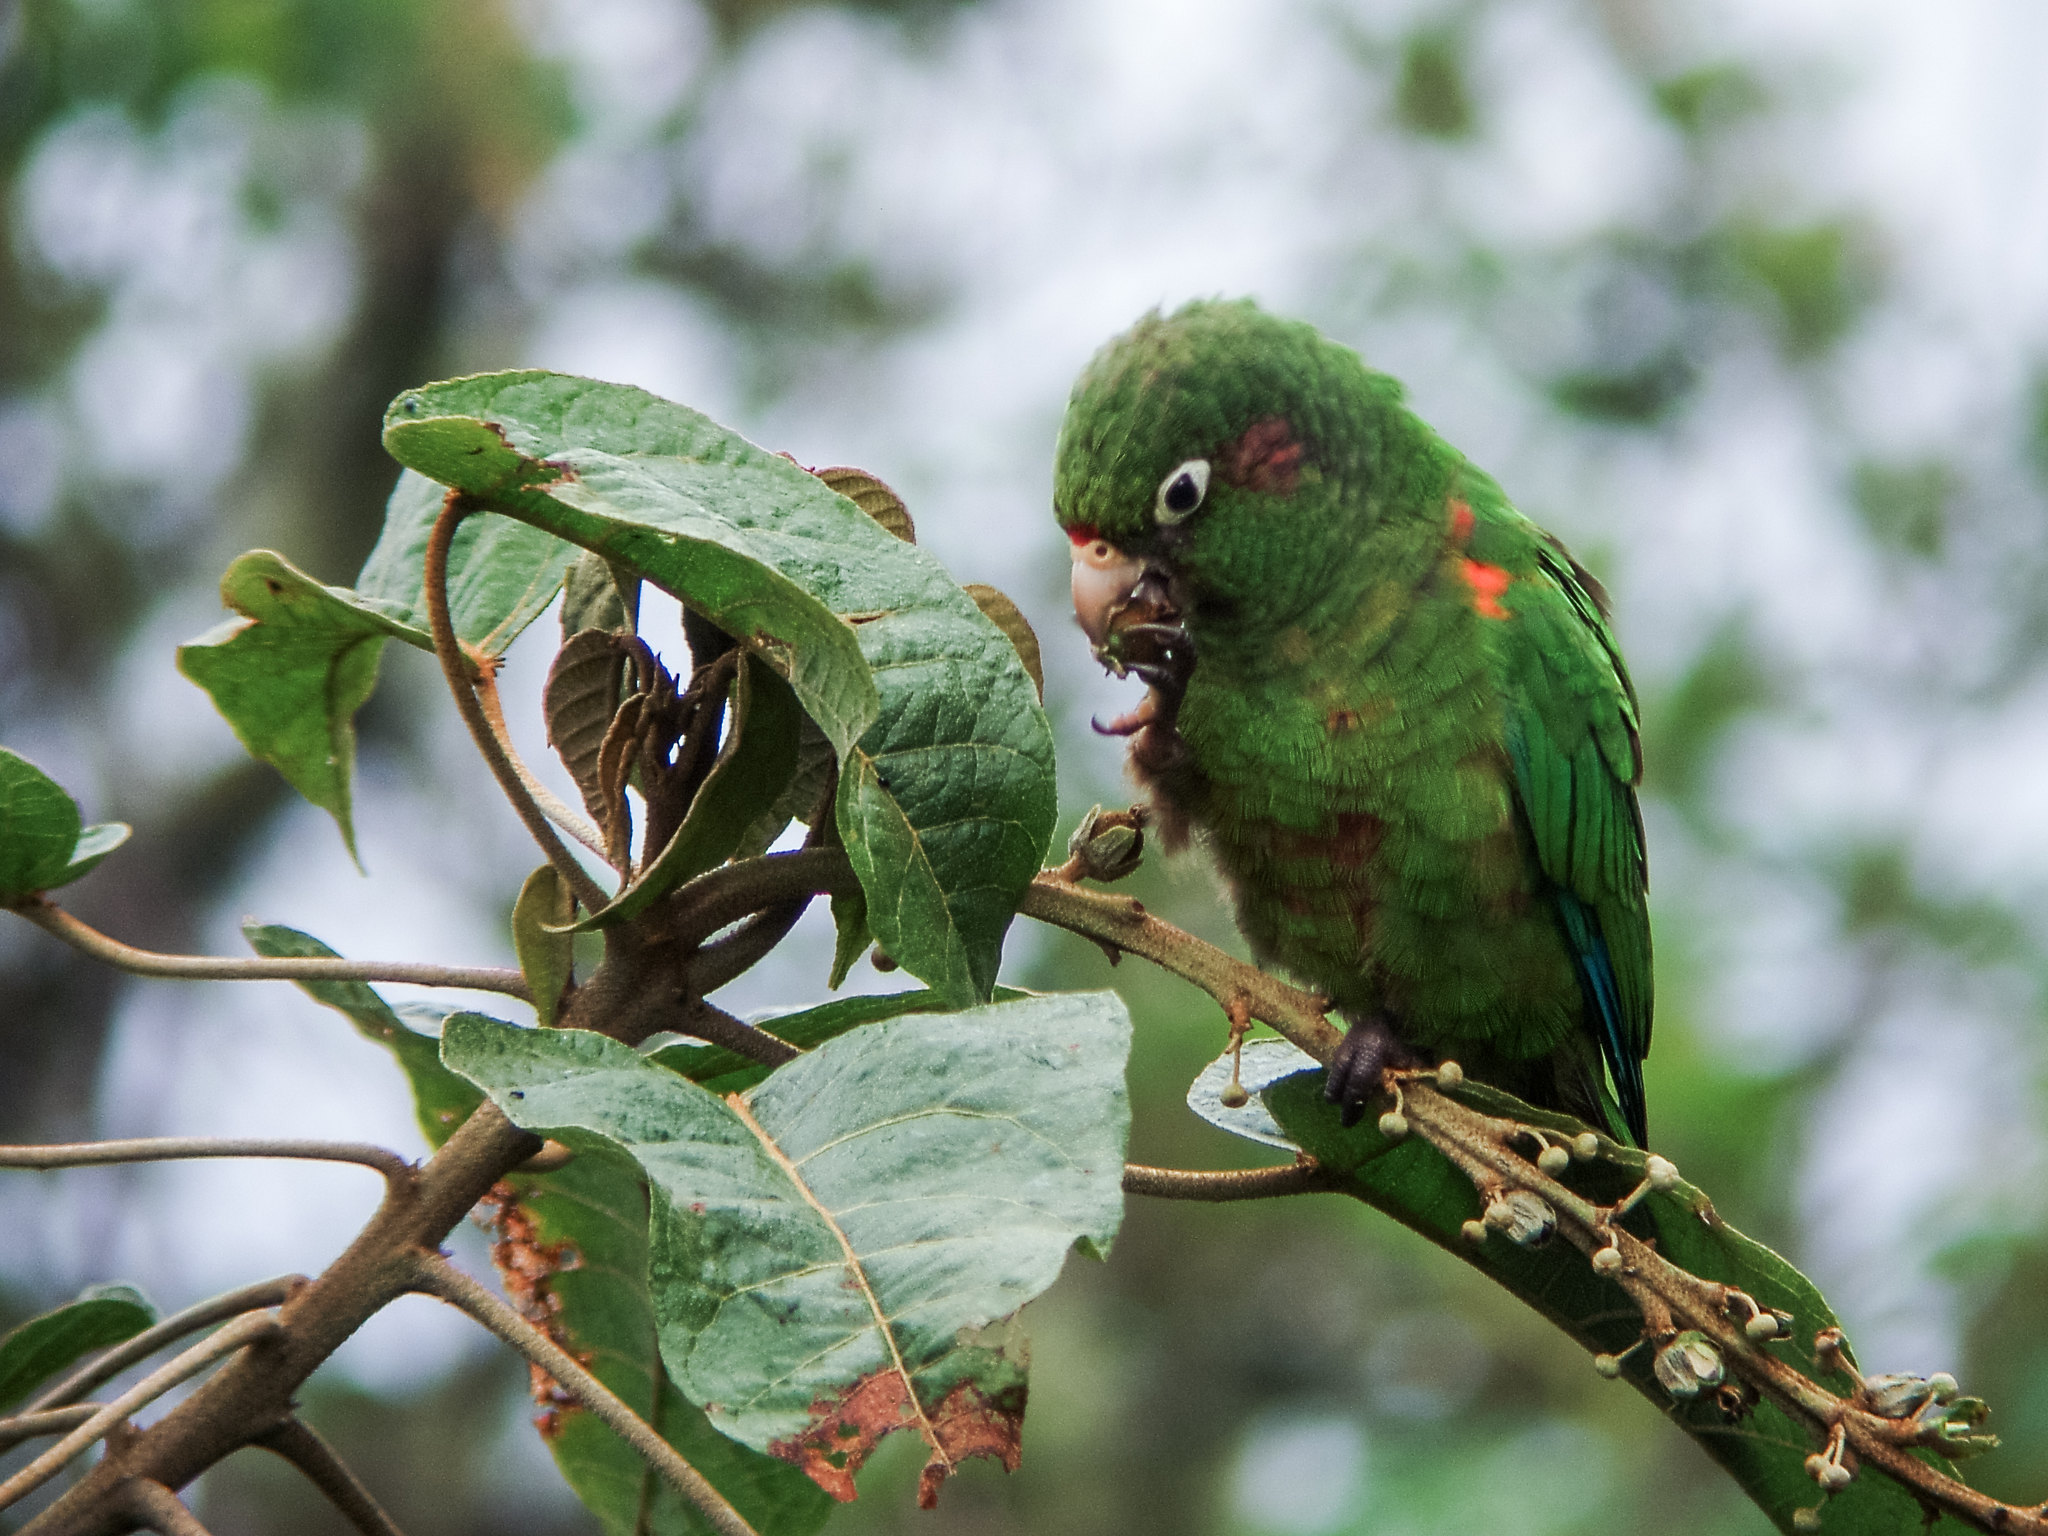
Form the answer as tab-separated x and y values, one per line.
1488	583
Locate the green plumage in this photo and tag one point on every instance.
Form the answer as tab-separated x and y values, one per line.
1407	734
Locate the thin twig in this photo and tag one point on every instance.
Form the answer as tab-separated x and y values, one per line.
708	1021
725	895
164	1149
54	920
551	805
250	1298
456	667
1122	923
158	1508
436	1277
1306	1178
34	1423
298	1443
239	1334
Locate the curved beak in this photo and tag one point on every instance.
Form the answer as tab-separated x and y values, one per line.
1104	578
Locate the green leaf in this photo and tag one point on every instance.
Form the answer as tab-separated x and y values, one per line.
501	575
292	671
851	936
103	1316
809	1315
39	828
756	762
1766	1451
441	1099
946	796
546	951
572	1247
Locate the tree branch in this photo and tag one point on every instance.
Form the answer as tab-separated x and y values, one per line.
250	1298
436	1277
161	1149
455	666
1122	923
254	1390
551	805
159	1509
298	1443
237	1335
725	895
1303	1178
54	920
1671	1299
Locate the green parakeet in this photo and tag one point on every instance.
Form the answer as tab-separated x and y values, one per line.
1390	705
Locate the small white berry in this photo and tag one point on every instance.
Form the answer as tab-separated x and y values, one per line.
1836	1477
1763	1326
1806	1519
1553	1160
1816	1466
1607	1365
1606	1260
1944	1386
1473	1231
1393	1125
1585	1146
1450	1075
1661	1172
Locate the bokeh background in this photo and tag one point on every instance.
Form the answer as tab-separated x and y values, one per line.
1747	299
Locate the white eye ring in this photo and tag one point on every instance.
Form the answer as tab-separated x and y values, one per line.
1180	493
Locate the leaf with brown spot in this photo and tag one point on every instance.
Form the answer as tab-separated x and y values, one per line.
571	1248
828	1247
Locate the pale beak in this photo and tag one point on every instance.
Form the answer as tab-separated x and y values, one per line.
1104	577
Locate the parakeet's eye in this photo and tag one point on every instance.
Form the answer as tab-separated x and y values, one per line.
1181	492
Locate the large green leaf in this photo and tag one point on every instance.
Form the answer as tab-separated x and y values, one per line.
501	575
723	1071
441	1099
580	1235
103	1315
43	843
1764	1450
572	1247
827	1247
946	794
292	671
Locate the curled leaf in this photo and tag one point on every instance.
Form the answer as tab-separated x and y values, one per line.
872	497
1009	618
579	700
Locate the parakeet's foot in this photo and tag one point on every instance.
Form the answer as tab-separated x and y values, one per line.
1368	1048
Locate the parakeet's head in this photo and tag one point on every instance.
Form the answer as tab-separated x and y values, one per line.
1215	467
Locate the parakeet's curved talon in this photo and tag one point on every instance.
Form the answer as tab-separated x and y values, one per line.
1357	1070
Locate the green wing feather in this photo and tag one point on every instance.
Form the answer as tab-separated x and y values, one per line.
1573	736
